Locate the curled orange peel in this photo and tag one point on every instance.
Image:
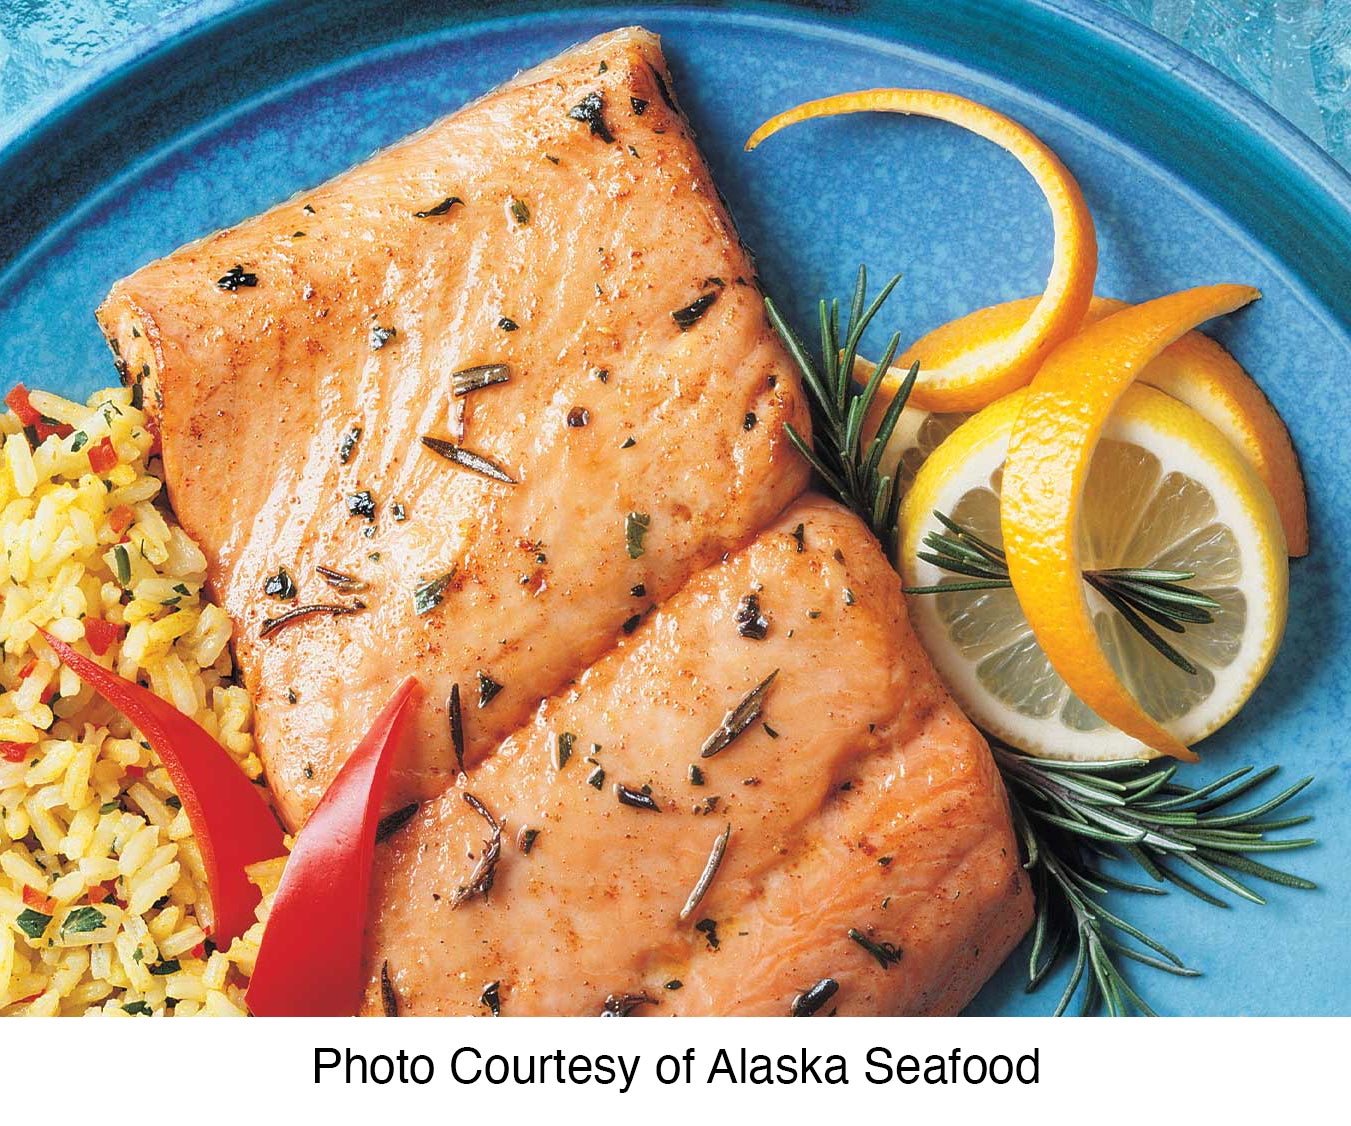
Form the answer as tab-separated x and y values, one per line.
1196	370
972	378
1067	408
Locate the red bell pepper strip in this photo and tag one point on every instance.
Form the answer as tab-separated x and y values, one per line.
230	820
310	960
101	634
15	752
102	456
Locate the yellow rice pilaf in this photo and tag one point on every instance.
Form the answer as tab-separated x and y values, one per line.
90	807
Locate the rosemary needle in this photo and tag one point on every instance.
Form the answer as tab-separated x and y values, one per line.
707	876
1136	593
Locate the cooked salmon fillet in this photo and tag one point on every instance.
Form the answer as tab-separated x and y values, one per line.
602	554
862	798
564	226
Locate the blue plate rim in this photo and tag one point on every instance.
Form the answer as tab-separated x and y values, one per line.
1307	191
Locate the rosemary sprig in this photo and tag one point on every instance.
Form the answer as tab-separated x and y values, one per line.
1136	593
838	411
1070	817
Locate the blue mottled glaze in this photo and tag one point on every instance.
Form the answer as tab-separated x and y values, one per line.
1190	181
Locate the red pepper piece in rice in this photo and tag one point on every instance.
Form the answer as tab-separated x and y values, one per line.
16	752
102	456
101	634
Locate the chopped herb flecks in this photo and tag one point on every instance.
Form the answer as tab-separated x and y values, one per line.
427	596
235	277
750	622
380	336
886	953
709	929
440	209
280	585
596	778
32	923
578	417
692	313
637	799
622	1004
639	106
748	423
487	689
84	920
122	565
810	1003
738	719
800	535
348	444
492	997
506	324
563	748
696	775
391	823
520	211
636	525
389	999
591	111
525	840
474	379
361	504
456	726
467	459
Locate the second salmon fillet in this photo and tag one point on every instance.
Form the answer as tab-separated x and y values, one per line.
860	802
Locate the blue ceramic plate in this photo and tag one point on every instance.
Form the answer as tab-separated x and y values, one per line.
1190	181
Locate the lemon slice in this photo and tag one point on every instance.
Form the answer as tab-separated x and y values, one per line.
1165	489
